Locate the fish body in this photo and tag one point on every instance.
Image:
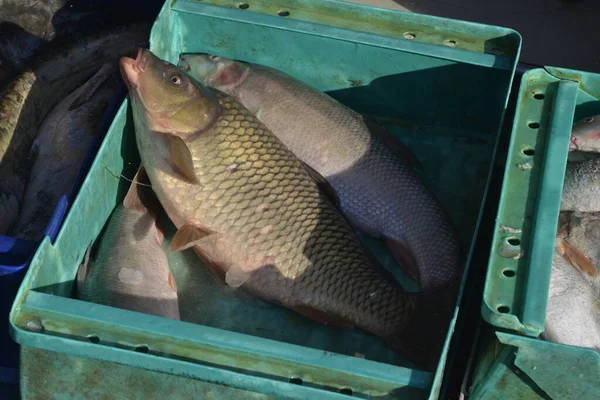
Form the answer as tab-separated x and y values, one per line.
131	270
573	310
28	98
581	188
367	167
585	135
245	203
59	150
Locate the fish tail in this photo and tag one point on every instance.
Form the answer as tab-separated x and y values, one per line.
422	339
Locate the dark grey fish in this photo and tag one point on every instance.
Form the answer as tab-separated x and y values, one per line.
367	167
246	204
60	148
28	98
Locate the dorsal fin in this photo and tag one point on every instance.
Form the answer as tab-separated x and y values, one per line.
88	89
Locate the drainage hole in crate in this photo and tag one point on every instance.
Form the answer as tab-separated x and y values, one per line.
94	339
513	241
503	309
346	391
142	349
509	273
409	35
528	151
283	13
450	43
533	125
243	6
539	96
295	380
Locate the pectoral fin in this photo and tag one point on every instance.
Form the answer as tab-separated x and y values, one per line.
188	236
577	259
236	277
172	282
181	159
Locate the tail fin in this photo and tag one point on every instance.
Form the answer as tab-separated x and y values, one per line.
422	339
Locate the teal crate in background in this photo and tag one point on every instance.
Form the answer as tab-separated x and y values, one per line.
509	354
440	85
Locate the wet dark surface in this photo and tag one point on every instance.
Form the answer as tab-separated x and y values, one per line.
560	33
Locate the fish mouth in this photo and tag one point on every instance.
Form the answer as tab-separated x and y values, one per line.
184	63
132	68
574	144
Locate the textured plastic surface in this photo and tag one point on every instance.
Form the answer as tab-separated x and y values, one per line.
510	364
94	377
446	104
518	276
517	367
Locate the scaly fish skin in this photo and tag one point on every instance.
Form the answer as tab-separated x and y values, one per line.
581	188
573	311
378	190
244	201
131	270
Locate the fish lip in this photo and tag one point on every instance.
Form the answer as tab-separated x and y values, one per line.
140	60
573	145
131	68
126	65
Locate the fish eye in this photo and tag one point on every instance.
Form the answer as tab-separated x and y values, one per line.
176	79
213	57
589	119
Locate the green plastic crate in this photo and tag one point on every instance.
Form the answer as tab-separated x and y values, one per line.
518	276
443	91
